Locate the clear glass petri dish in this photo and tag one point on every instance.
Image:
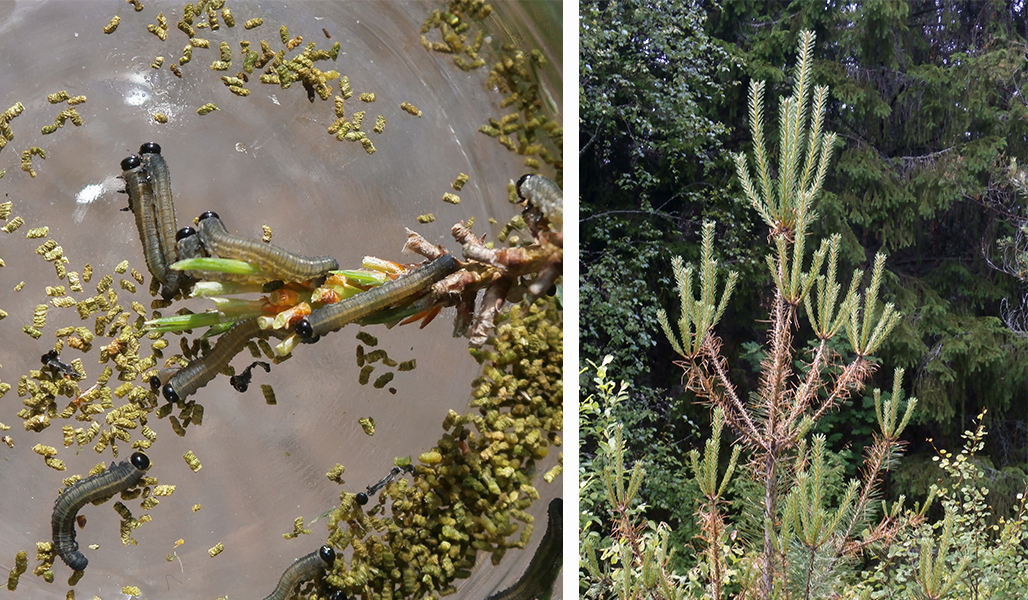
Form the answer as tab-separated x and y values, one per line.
261	159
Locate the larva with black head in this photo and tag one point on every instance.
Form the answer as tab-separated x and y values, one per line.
362	497
241	382
543	195
275	262
200	371
304	569
118	478
159	176
334	316
141	203
546	563
187	244
52	359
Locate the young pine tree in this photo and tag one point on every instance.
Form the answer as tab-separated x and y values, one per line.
806	542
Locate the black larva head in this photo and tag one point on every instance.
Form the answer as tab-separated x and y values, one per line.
184	233
517	185
208	215
150	148
304	330
140	461
131	163
362	498
170	394
46	358
327	554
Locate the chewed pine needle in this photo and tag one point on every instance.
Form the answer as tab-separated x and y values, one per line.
217	265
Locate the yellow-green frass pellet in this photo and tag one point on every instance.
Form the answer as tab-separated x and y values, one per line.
451	198
207	109
192	461
459	182
431	458
367	424
380	124
216	550
410	109
13	225
112	25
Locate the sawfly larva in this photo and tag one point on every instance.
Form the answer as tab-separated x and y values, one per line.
543	195
187	244
275	262
241	382
141	204
304	569
201	371
334	316
164	211
118	478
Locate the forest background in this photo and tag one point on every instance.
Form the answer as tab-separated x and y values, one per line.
926	98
